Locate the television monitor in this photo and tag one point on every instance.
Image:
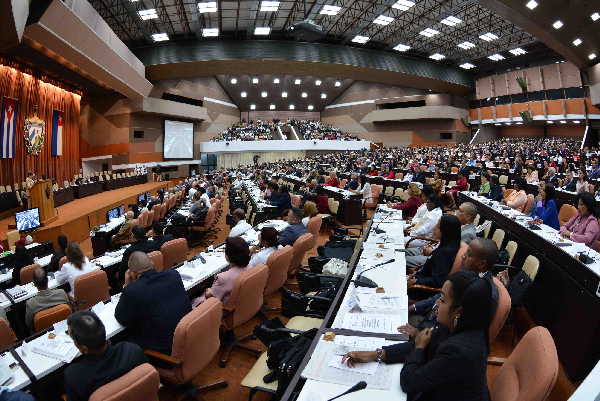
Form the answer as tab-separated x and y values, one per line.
142	198
113	214
28	219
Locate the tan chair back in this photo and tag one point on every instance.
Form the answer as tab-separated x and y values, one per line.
90	288
140	383
47	317
530	372
26	273
502	311
174	251
531	266
498	237
314	225
7	335
246	298
12	237
157	260
301	246
566	213
511	249
150	218
279	264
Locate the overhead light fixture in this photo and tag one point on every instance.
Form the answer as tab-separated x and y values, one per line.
595	17
532	4
323	96
233	81
304	95
466	45
550	122
519	123
592	56
497	124
338	84
269	5
330	10
210	32
563	122
360	39
244	94
207	7
318	82
160	37
297	81
383	20
148	14
292	107
276	80
451	21
517	52
254	80
311	107
272	107
488	37
576	122
496	57
428	32
252	107
403	5
577	42
283	94
508	124
401	48
558	24
262	30
437	56
263	94
467	66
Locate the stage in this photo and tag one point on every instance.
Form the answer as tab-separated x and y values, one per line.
78	217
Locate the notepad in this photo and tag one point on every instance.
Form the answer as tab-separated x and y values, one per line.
60	348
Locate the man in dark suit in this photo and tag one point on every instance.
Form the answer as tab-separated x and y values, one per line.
158	238
295	229
101	362
151	304
141	244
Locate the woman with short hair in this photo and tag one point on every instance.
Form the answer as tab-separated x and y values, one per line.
76	265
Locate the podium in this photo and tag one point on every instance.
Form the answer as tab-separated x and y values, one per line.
42	197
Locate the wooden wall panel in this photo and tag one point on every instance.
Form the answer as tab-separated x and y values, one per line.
536	108
570	75
554	107
521	131
551	77
534	79
575	106
561	131
502	111
486	113
500	85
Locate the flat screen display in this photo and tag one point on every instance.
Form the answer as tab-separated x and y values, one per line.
141	198
179	140
113	213
28	219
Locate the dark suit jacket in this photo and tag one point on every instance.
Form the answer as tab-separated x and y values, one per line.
143	246
437	267
151	308
19	264
456	371
159	240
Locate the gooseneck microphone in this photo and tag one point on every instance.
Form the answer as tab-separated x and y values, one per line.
361	385
361	281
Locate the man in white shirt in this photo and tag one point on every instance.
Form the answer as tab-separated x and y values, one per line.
204	196
192	191
238	182
424	227
241	226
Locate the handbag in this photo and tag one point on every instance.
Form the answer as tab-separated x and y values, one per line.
267	332
336	267
518	287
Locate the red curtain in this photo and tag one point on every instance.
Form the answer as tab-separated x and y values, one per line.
31	92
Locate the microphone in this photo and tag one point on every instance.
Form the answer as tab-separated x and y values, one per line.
376	229
361	385
361	281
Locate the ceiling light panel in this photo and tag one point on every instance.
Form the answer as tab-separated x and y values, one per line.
210	32
262	30
318	82
207	7
428	32
263	94
595	17
269	5
403	5
451	21
467	66
437	56
517	52
297	81
558	24
148	14
254	80
330	10
272	107
244	94
311	107
233	81
160	37
323	96
531	4
592	56
283	94
401	48
383	20
577	42
466	45
496	57
292	107
360	39
276	80
252	107
488	37
304	95
338	84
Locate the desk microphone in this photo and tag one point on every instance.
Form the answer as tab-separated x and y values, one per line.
376	229
361	281
361	385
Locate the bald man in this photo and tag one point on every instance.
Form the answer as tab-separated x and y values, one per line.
240	224
152	304
44	299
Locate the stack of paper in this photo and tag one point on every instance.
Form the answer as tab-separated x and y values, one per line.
60	348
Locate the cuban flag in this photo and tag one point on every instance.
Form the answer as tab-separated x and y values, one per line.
57	133
8	128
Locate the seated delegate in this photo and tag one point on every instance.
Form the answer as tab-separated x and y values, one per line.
266	246
44	299
583	227
545	210
76	265
295	229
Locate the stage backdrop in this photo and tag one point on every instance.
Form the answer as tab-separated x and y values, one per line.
30	92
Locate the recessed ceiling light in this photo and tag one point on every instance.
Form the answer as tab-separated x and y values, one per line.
437	56
318	82
577	42
160	37
262	30
276	80
576	122
519	123
283	94
467	66
311	107
244	94
330	10
488	37
466	45
517	52
558	24
497	124
550	122
254	80
592	56
269	5
403	5
297	81
508	124
595	17
210	32
451	21
338	84
263	94
208	7
360	39
233	81
428	32
304	94
532	4
272	107
252	107
323	96
401	48
148	14
383	20
563	122
496	57
292	107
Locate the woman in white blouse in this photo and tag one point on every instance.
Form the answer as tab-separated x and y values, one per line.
582	184
266	246
364	188
76	265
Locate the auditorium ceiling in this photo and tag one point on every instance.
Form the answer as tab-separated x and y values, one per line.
479	35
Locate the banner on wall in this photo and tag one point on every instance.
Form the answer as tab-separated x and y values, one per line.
8	127
57	133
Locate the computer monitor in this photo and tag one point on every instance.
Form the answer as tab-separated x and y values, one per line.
113	214
28	219
142	198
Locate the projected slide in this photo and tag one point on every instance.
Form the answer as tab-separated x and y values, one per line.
179	140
